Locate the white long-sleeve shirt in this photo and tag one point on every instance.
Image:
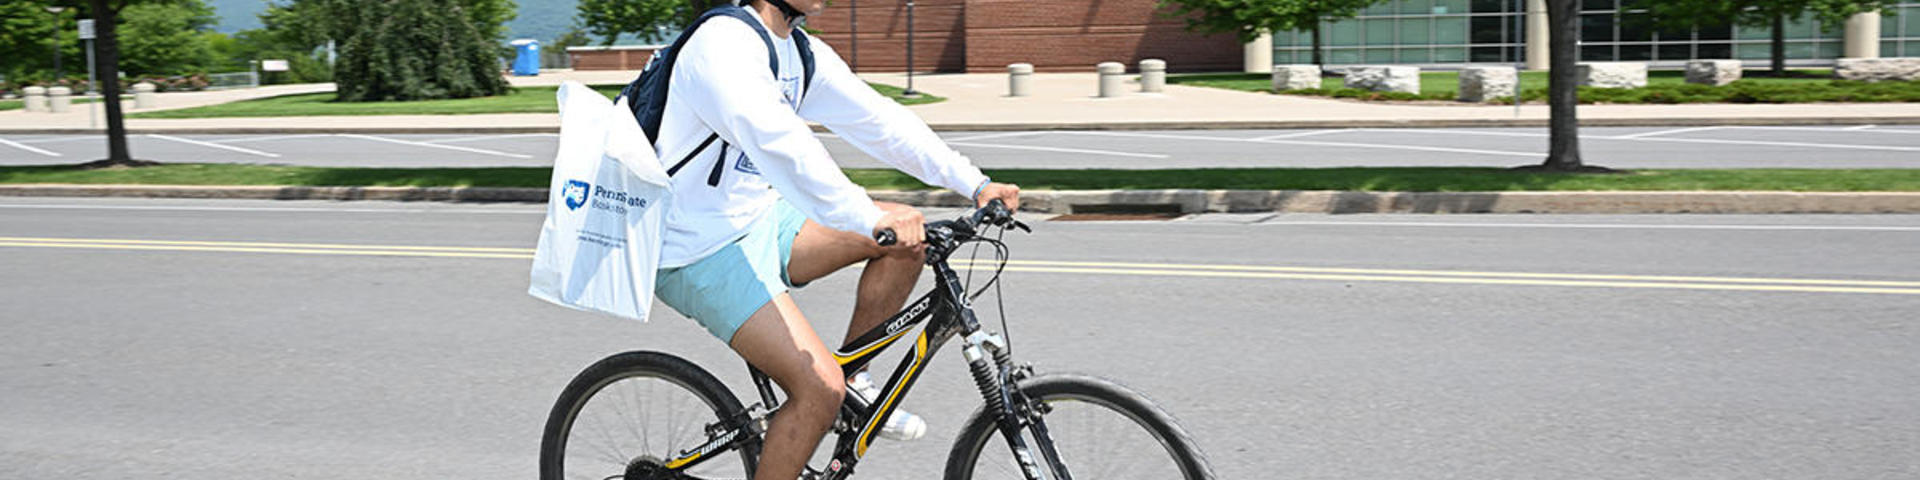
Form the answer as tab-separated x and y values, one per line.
721	84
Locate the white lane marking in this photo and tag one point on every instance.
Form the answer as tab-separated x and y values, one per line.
434	145
1773	144
269	139
1305	134
987	136
490	137
1667	132
1860	127
1315	143
1622	226
213	145
44	140
18	145
1465	132
1057	149
35	206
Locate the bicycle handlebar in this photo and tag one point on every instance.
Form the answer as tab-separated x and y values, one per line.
944	231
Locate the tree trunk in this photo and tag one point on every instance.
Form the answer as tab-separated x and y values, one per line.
1316	46
107	67
1563	97
1780	45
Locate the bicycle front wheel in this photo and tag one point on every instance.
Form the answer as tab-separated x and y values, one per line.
1103	431
626	414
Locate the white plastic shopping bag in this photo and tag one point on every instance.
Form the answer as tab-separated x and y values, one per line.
606	206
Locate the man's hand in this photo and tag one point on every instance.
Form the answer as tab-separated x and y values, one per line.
909	226
1004	192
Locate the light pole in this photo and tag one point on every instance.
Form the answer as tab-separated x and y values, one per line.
57	71
910	93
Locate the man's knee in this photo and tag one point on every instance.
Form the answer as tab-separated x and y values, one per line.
825	385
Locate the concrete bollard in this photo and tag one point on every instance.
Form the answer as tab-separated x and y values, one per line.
1019	79
35	98
1153	75
1110	78
59	99
143	95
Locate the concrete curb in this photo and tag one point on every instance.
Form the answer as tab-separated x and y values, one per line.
1084	126
1182	201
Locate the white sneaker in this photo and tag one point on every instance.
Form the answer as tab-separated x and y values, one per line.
901	425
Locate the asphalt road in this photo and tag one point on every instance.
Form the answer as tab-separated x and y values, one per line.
1362	347
1622	147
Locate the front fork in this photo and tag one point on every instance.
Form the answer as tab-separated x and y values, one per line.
998	380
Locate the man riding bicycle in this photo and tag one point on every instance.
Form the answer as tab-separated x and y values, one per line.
767	209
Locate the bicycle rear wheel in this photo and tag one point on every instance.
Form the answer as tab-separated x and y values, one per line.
1102	430
629	412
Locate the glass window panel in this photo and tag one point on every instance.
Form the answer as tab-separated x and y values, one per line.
1444	7
1513	55
1889	23
1752	51
1485	54
1636	53
1638	28
1416	7
1829	49
1379	55
1911	17
1751	33
1721	32
1799	50
1833	32
1345	34
1889	48
1450	31
1675	51
1416	31
1343	56
1670	33
1382	8
1715	51
1596	53
1485	30
1450	54
1800	28
1596	27
1284	39
1379	31
1487	6
1416	55
1586	5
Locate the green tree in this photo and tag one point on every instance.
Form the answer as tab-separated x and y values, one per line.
1248	18
609	19
1770	14
167	39
412	50
27	36
106	65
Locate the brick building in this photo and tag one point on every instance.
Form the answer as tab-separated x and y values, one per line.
986	35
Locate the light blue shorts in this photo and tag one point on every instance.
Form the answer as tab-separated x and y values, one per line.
723	289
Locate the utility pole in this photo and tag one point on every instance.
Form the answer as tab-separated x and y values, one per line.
57	71
910	93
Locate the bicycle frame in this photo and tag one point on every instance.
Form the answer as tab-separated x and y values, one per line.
947	314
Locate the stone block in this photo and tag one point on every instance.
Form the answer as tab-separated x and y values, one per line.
1713	72
1395	78
1296	77
1480	84
1877	69
1612	74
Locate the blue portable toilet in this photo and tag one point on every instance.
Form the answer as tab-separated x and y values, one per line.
527	62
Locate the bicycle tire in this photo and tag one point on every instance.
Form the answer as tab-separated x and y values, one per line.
1055	389
638	364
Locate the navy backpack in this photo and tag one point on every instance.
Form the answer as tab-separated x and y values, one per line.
647	95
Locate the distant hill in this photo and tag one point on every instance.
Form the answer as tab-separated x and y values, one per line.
539	19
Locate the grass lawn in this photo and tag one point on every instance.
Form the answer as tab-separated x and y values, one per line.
1407	179
17	104
1665	86
517	100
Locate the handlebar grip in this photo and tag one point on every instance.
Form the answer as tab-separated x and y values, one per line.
886	237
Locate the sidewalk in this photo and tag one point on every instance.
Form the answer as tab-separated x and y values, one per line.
1059	101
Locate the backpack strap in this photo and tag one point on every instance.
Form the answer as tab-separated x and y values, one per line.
805	45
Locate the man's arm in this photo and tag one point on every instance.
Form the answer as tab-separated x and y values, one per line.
888	131
722	78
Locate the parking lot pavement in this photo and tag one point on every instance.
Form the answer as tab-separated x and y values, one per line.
1621	147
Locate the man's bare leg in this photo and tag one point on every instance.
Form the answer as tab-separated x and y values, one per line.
778	340
886	281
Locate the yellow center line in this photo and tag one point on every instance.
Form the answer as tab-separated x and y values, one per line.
1807	285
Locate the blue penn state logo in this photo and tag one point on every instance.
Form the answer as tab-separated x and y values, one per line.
575	193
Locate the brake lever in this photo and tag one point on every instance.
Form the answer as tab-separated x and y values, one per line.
1021	226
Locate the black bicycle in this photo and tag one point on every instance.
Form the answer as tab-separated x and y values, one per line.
650	415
